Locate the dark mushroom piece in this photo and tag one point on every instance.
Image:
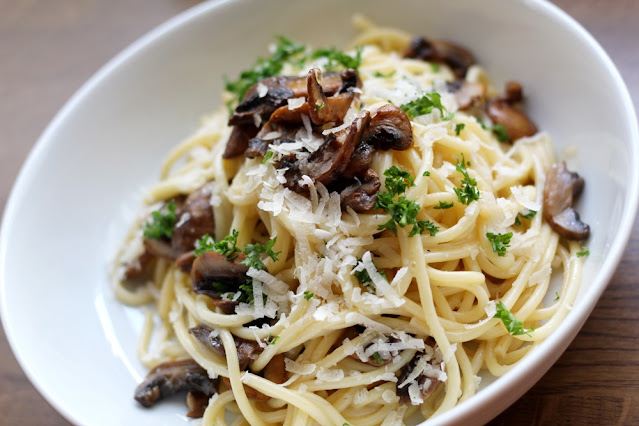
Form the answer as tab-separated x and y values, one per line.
389	128
195	219
172	377
468	95
258	146
501	110
139	267
453	55
561	189
239	140
362	195
247	350
161	248
214	276
426	385
257	105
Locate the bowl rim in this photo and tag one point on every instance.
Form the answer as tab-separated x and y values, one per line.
502	396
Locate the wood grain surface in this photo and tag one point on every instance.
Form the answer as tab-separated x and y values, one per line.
48	48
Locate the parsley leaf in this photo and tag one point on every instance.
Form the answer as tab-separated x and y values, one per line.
512	324
531	214
268	156
365	279
499	242
338	58
378	359
426	173
397	180
556	296
247	292
468	191
285	51
271	340
459	127
162	222
253	251
226	246
585	251
308	295
425	105
444	205
435	66
381	75
498	129
403	211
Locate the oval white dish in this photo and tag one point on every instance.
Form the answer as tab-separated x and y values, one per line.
81	184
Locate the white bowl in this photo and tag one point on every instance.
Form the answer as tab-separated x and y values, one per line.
76	192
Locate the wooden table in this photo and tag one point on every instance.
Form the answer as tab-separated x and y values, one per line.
49	48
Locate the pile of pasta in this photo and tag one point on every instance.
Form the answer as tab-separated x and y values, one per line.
436	309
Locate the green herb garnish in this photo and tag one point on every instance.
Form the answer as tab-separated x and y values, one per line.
468	191
426	173
308	295
162	222
459	127
444	205
285	51
338	58
381	75
397	180
226	246
271	340
253	251
268	156
531	214
585	251
435	66
378	359
499	242
365	279
498	129
512	324
425	105
556	296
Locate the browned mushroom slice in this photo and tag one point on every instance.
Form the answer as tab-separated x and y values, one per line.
321	108
197	403
326	164
467	94
332	83
239	140
275	370
195	219
247	350
271	133
213	275
389	129
515	122
560	191
185	261
426	385
455	56
139	267
260	101
361	197
172	377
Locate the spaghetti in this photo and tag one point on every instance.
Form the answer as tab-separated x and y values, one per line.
353	317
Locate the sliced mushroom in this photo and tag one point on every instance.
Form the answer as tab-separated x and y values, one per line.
426	384
560	191
260	101
271	133
455	56
361	196
161	248
468	94
247	350
197	403
185	261
172	377
239	140
322	109
326	164
139	267
501	110
275	370
195	219
389	128
213	275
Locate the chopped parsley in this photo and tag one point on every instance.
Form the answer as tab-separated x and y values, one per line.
318	107
268	156
468	191
381	75
337	58
435	66
498	129
308	295
247	292
162	222
459	127
585	251
285	51
444	205
378	359
271	340
512	324
531	214
403	211
556	296
499	242
426	173
253	251
226	246
425	105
